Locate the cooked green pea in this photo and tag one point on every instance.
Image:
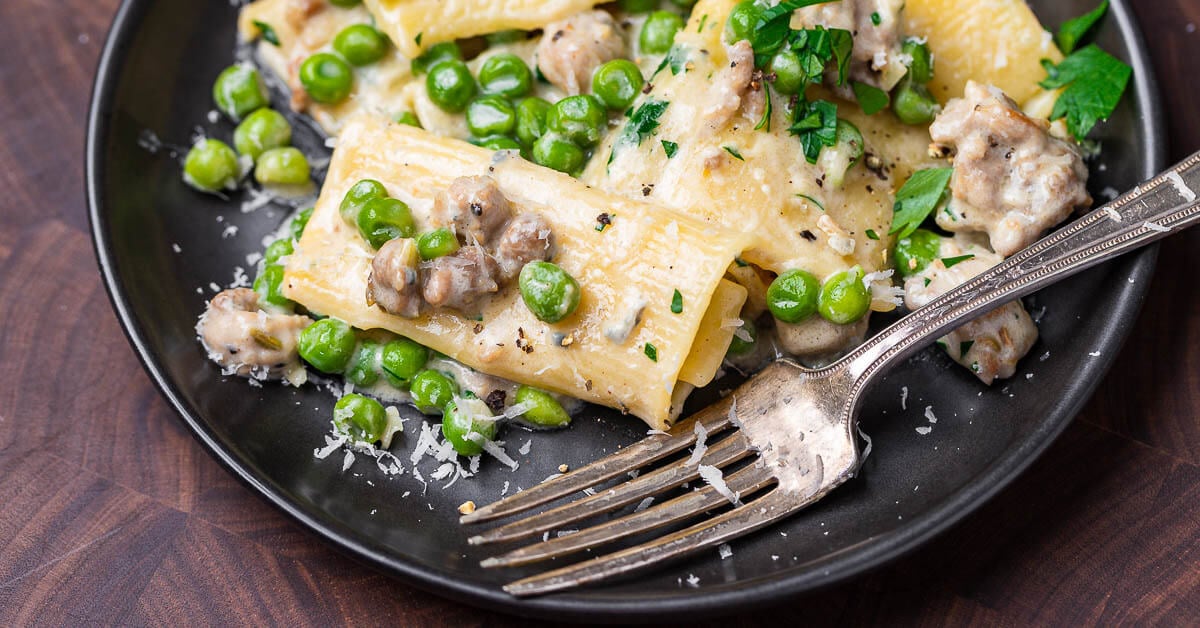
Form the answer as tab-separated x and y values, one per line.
618	83
437	53
921	68
357	196
384	219
548	291
659	32
450	85
345	3
914	253
431	391
282	166
326	78
402	360
239	90
741	21
638	6
510	36
913	104
269	284
531	120
437	243
844	299
466	424
364	366
299	223
327	345
789	72
361	44
278	249
491	115
360	418
851	138
580	119
409	118
507	75
544	410
793	296
559	153
262	130
500	142
739	346
211	166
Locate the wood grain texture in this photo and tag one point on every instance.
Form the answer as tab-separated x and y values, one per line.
1105	528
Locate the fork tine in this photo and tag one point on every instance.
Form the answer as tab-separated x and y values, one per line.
644	452
731	449
741	520
743	482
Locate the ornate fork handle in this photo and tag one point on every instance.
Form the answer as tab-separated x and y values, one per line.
1164	205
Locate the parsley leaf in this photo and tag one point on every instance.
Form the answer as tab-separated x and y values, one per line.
965	346
670	148
843	44
816	124
733	151
677	302
870	98
641	124
919	196
773	26
651	352
1074	30
1094	82
268	32
950	262
676	58
768	111
872	235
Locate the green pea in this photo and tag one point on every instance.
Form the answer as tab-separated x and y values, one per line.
738	346
239	90
360	418
531	120
500	142
844	299
384	219
262	130
913	104
407	117
548	291
364	365
466	423
437	243
326	78
299	223
921	68
510	36
361	44
211	166
618	83
269	285
793	296
638	6
790	76
450	85
402	360
559	153
345	3
659	32
357	196
431	391
327	345
850	137
437	53
916	252
278	249
544	410
742	20
580	119
507	75
491	115
282	166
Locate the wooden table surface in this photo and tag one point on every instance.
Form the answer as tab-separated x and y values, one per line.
1105	528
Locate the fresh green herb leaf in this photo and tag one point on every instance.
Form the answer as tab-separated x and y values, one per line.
1070	34
950	262
843	44
773	26
741	263
676	58
812	200
703	21
870	98
418	38
876	19
965	346
268	32
928	281
817	47
765	122
1094	82
816	124
677	302
733	151
641	124
872	235
919	196
651	352
670	148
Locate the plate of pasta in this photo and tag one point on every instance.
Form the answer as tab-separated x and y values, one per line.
390	259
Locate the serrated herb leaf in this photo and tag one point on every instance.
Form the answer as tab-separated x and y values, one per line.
765	122
950	262
773	26
641	124
677	302
816	125
870	98
842	42
268	32
1094	82
676	58
917	198
871	235
670	148
1074	30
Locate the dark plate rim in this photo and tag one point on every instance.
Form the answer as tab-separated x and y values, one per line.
689	602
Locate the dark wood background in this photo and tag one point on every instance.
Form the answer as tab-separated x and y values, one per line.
110	512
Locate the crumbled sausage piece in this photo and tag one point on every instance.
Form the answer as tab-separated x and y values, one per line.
527	238
394	283
475	208
817	342
572	49
248	341
458	281
729	86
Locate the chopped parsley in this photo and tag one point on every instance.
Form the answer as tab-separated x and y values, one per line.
950	262
816	124
812	200
651	352
870	98
919	196
765	122
965	346
703	21
872	235
418	38
1074	30
733	151
677	302
676	59
642	123
741	263
773	26
268	32
928	281
876	19
1094	82
670	148
818	46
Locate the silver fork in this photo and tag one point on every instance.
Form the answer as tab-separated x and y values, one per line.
796	424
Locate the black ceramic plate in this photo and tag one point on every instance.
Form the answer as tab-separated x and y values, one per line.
160	246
